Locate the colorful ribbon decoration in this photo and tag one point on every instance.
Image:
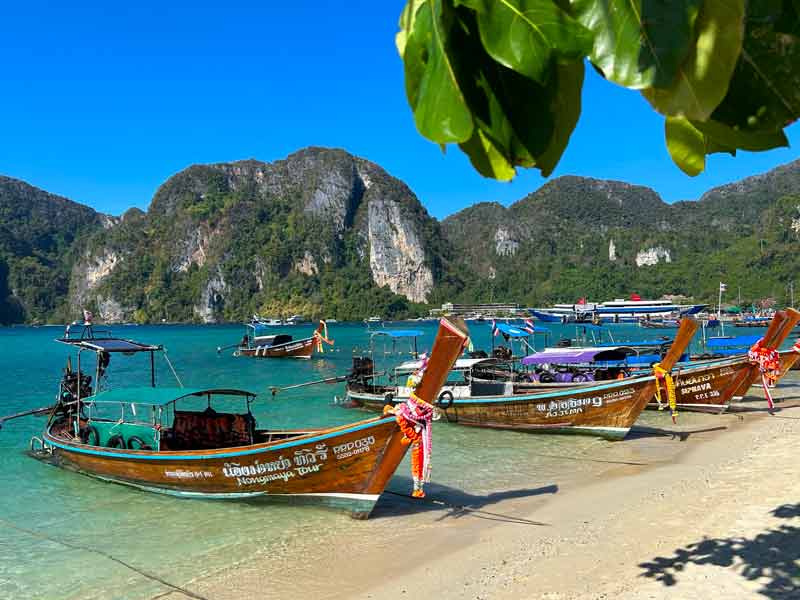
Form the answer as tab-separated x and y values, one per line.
663	375
322	337
414	417
769	366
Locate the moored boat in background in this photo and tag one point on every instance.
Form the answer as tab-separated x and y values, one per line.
608	409
255	344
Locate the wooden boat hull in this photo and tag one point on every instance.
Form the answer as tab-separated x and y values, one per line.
294	349
790	361
606	410
707	387
346	467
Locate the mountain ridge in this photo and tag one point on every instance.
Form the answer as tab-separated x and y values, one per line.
328	233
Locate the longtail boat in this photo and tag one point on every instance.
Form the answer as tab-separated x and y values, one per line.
281	345
607	409
710	386
173	440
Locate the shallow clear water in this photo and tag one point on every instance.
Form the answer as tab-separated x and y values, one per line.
54	524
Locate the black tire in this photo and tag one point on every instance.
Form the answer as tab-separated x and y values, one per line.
547	378
89	432
116	441
388	399
137	443
445	400
705	356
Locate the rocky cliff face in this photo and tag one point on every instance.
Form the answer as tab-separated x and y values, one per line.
229	238
325	233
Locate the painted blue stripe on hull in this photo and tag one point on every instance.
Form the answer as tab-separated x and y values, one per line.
166	456
548	395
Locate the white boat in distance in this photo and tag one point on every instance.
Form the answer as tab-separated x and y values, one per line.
615	311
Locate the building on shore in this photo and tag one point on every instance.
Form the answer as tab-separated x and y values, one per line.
476	310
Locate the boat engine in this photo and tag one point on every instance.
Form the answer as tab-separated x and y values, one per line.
502	352
68	390
363	370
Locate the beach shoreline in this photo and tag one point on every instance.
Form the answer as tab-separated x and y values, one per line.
697	514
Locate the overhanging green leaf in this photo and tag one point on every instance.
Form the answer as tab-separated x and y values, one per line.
486	158
524	35
566	106
638	43
406	24
440	110
764	93
753	141
702	79
686	145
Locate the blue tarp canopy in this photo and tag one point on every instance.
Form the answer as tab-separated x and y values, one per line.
399	333
742	340
512	331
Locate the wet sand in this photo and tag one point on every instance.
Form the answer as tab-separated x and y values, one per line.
686	511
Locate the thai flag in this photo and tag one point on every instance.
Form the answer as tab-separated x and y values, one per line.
495	330
87	317
528	326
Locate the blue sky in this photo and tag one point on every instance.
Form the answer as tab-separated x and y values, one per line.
101	103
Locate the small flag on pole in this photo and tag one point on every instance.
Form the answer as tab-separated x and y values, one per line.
87	317
495	330
723	286
528	326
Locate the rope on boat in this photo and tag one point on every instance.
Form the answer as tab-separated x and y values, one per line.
169	362
73	546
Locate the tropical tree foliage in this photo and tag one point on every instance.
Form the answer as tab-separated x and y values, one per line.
503	78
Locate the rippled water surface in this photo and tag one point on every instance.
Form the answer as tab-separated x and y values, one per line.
57	527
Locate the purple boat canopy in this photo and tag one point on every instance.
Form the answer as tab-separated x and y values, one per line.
578	355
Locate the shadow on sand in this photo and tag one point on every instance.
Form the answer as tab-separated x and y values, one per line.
641	431
771	556
451	502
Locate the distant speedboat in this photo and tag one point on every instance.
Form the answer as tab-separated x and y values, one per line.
373	320
295	320
258	321
617	311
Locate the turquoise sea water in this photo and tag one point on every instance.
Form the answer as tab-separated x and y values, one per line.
57	528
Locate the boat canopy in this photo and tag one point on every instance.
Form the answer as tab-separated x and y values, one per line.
742	340
158	396
578	355
462	364
399	333
109	345
512	330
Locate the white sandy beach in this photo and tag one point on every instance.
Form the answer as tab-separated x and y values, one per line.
712	514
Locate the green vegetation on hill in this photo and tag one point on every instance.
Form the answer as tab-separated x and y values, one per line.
741	234
298	236
39	235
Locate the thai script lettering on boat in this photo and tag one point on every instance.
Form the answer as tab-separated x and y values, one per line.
696	379
555	406
308	456
256	468
181	474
